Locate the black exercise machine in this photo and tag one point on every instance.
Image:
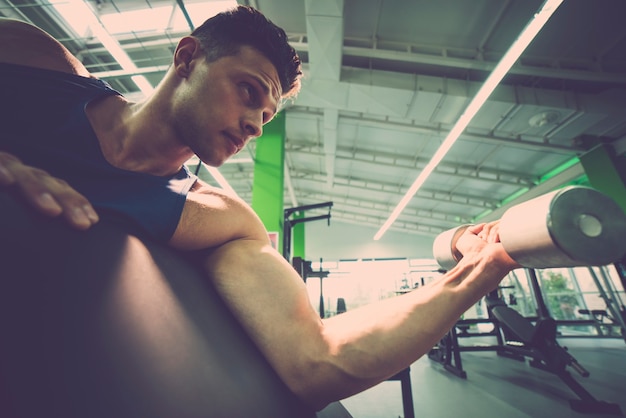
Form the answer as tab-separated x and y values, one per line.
538	342
614	317
289	223
604	322
520	338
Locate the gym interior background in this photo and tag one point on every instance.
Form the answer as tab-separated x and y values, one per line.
385	84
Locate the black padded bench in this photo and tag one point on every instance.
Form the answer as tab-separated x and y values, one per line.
103	323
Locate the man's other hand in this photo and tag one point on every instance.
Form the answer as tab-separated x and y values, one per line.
49	195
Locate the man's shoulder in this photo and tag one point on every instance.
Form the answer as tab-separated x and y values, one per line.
22	43
213	216
204	192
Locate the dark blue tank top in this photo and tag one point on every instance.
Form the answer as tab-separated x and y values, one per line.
42	115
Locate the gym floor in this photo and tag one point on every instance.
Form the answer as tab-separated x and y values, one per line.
501	387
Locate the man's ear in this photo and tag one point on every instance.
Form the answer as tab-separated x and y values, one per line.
187	50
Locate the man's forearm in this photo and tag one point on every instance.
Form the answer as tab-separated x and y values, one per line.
378	340
325	361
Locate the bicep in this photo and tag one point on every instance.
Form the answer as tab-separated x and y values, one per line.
264	292
270	300
256	281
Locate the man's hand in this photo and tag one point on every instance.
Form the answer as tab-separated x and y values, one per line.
485	237
47	194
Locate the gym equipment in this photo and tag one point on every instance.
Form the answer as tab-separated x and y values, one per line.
538	342
603	322
615	312
404	377
106	323
289	223
519	338
303	267
573	226
341	305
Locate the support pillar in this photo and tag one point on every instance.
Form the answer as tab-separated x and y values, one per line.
604	172
268	183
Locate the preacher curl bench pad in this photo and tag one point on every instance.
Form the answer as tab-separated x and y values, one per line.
103	323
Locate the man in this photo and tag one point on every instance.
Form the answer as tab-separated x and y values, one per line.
211	102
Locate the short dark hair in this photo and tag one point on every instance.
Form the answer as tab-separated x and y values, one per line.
223	34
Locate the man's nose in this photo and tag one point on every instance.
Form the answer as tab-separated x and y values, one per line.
253	125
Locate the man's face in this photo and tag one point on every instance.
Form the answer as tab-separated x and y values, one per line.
225	104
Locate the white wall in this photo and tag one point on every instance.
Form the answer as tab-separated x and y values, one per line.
341	241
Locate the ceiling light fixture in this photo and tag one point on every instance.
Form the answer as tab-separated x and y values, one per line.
510	57
544	118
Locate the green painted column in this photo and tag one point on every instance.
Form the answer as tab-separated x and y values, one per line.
604	172
298	238
268	184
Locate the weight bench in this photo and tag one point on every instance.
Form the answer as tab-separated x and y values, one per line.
105	323
538	342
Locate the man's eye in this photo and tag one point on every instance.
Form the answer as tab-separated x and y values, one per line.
249	92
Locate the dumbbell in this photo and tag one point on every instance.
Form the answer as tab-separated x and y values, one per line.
573	226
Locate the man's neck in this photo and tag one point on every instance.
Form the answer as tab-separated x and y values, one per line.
133	137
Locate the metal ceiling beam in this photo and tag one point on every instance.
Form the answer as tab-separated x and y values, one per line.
416	226
382	209
123	73
529	142
11	11
405	53
406	161
558	70
369	186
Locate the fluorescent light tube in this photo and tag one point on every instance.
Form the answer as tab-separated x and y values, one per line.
510	57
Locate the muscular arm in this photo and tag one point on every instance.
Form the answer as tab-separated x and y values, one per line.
326	360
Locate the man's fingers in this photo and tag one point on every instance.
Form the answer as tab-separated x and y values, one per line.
47	194
492	232
74	207
47	204
489	232
54	197
39	188
82	217
30	183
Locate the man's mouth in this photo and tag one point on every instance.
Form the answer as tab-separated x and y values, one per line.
236	141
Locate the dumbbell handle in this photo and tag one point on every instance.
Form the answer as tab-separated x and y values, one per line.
574	226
